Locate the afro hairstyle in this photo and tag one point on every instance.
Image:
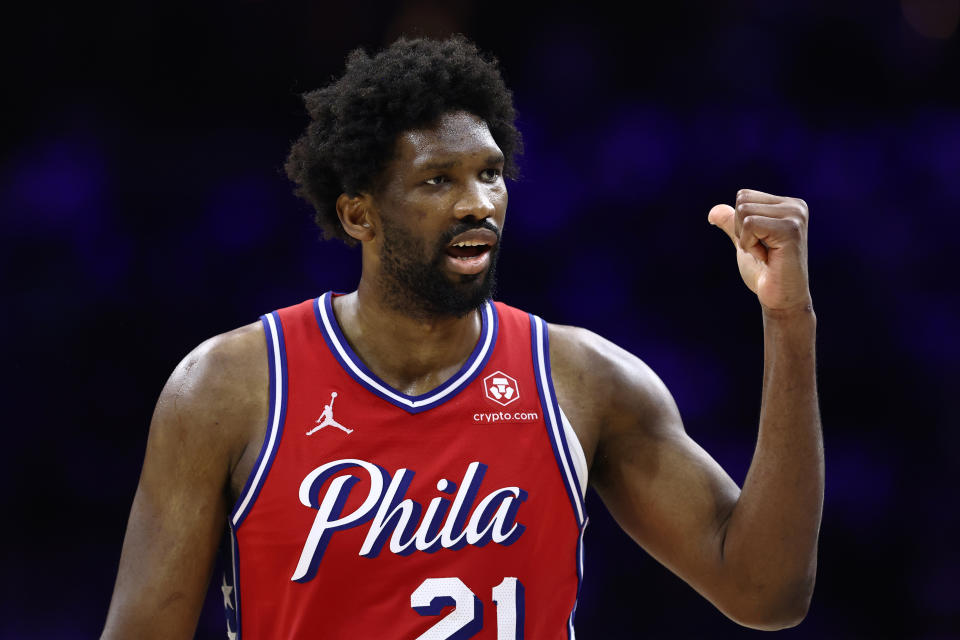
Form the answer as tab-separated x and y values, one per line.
355	121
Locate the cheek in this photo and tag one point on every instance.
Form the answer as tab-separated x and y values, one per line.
497	193
500	200
416	209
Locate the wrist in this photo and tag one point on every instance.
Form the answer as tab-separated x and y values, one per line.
797	321
804	310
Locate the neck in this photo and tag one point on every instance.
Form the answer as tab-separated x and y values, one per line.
412	354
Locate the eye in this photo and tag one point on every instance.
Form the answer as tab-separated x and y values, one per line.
436	180
490	175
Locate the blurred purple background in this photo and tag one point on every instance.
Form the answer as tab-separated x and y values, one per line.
145	209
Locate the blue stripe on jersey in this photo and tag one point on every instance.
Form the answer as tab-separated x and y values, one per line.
277	363
235	565
551	411
340	348
540	344
579	559
565	445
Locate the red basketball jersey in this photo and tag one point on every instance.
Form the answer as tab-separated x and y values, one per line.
373	514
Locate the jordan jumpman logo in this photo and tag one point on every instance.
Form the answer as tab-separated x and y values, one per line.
326	418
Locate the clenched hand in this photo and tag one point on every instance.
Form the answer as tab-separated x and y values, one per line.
770	235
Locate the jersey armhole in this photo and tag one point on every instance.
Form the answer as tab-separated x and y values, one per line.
558	434
579	458
277	362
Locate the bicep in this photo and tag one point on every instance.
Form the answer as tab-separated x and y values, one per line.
664	489
177	518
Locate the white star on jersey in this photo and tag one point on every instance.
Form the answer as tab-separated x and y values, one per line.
228	603
227	593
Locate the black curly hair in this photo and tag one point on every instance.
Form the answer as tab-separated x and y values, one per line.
356	120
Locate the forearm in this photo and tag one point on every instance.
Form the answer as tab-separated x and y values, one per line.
770	538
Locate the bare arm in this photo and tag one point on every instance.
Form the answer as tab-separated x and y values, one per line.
751	553
199	431
773	529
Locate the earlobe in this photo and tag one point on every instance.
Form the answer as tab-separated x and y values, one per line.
355	215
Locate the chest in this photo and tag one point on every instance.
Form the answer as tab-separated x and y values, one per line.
484	421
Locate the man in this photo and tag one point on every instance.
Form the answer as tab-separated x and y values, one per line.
468	429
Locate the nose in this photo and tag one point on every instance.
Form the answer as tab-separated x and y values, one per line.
476	201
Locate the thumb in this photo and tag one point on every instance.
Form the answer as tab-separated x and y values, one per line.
723	216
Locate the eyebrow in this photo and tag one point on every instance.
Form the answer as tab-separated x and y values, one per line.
495	158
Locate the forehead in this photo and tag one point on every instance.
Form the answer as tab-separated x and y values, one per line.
453	136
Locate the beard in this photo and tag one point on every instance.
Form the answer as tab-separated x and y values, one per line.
414	279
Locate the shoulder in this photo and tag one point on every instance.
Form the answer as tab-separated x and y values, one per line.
598	364
222	369
218	393
613	393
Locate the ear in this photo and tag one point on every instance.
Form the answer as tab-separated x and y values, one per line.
356	215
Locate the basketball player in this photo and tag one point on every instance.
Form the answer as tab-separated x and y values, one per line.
447	499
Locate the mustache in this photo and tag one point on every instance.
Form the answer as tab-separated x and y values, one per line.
461	227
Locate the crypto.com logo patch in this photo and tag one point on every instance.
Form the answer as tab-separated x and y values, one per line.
501	388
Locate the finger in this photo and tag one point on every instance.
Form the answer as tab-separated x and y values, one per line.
752	195
787	209
761	233
752	235
722	216
791	209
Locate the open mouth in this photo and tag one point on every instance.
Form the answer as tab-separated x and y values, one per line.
467	249
469	252
472	244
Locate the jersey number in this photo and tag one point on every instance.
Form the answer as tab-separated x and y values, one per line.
466	619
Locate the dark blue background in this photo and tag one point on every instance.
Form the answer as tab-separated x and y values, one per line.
145	209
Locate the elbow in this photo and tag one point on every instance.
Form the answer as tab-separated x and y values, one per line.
772	611
772	618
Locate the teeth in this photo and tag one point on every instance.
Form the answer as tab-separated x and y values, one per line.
470	243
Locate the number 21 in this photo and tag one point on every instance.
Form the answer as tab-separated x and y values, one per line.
466	619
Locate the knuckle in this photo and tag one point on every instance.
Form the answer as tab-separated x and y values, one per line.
794	227
801	206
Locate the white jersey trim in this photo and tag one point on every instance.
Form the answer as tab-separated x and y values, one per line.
579	459
557	433
344	354
277	363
